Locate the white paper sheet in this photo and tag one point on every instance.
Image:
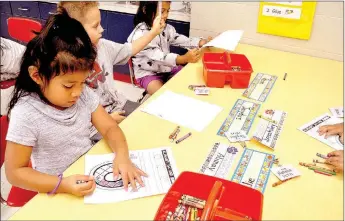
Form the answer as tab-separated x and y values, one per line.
267	132
227	40
219	160
183	110
312	127
337	111
158	163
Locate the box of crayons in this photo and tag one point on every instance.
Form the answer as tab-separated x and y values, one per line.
195	196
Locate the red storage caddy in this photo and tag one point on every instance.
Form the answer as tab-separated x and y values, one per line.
223	68
225	200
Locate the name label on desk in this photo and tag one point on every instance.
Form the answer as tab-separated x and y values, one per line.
285	172
282	12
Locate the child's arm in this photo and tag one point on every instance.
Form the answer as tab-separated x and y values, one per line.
120	53
182	41
141	43
116	140
19	174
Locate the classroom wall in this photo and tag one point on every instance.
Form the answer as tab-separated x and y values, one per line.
326	40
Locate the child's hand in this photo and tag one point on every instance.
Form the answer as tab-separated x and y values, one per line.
192	55
336	159
129	172
204	41
336	129
158	25
69	185
118	116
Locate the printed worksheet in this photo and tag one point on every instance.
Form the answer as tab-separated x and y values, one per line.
312	128
158	163
270	127
253	170
219	160
260	87
240	117
183	110
337	111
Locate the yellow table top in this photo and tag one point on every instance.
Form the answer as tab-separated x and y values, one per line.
312	86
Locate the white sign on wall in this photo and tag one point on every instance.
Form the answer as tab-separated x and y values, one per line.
282	12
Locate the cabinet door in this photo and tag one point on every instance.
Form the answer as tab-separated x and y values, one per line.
47	9
181	28
120	26
3	26
5	7
25	9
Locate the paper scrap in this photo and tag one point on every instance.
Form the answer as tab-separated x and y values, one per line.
227	40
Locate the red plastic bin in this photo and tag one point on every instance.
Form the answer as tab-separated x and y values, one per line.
225	200
220	69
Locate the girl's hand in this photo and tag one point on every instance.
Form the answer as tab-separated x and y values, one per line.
192	56
158	25
204	41
118	116
336	129
129	172
69	185
336	159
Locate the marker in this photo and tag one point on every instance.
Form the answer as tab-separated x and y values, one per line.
81	181
174	132
280	182
192	87
321	169
326	174
270	120
321	156
285	76
184	137
307	164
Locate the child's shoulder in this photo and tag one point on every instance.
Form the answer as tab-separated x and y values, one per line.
24	107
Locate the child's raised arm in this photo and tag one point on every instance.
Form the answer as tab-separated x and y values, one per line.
116	140
140	44
21	175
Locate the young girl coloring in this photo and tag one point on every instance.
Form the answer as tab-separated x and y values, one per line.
51	111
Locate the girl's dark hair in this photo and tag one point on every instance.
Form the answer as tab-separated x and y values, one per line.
150	9
62	46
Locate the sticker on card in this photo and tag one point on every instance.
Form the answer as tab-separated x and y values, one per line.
285	172
236	136
202	90
219	160
337	111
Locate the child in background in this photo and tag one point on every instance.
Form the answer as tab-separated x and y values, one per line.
11	53
335	158
109	53
155	65
50	111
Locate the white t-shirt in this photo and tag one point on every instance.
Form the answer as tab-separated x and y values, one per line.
11	55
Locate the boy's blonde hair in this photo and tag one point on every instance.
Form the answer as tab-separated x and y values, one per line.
75	9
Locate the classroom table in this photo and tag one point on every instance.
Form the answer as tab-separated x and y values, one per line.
311	87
